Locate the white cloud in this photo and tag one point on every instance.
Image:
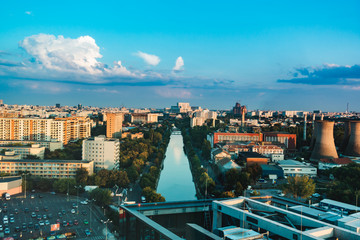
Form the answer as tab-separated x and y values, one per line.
64	54
179	64
173	93
148	58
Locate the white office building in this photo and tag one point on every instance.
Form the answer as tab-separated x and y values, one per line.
105	152
295	168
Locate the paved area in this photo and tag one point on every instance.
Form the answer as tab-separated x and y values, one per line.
51	208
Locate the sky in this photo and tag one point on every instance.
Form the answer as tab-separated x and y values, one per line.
269	55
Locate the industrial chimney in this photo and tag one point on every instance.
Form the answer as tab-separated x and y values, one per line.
345	141
324	144
304	133
353	147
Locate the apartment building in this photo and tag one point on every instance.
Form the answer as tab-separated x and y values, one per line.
217	137
114	124
144	117
24	151
51	145
105	152
37	129
46	168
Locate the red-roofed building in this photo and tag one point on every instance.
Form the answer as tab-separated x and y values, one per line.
233	137
288	139
331	163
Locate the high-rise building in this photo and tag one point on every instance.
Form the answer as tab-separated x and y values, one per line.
35	129
105	152
58	105
114	124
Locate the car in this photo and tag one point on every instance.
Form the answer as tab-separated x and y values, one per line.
11	215
64	223
39	217
46	209
84	202
73	211
316	195
36	209
5	205
70	223
76	222
17	229
5	210
24	228
63	212
59	214
16	211
30	225
33	214
36	226
57	220
281	194
44	217
47	222
1	228
262	180
26	210
5	218
74	205
7	231
33	190
87	232
41	196
12	220
6	222
41	223
86	222
32	196
53	193
15	236
50	216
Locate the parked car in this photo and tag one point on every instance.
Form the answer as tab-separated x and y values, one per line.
87	232
41	223
73	211
36	226
84	202
7	231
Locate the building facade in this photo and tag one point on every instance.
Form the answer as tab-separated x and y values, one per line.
37	129
288	139
25	151
105	152
295	168
46	168
52	146
114	124
233	137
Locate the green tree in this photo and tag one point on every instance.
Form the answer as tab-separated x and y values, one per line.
63	185
300	186
152	196
206	150
101	196
82	176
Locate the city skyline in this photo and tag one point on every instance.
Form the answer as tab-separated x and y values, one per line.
279	56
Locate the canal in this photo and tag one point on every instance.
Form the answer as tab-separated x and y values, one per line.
176	182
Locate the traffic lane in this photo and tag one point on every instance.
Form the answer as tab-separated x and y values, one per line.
55	204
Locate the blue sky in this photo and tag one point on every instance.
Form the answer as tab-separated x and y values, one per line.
296	55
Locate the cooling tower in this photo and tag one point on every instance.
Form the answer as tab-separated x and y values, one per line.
324	144
313	136
345	141
353	147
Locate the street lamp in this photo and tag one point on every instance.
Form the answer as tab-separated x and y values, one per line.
106	222
24	174
77	191
92	200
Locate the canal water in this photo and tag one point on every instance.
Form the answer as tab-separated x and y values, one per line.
175	182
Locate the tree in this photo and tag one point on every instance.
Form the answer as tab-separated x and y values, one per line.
82	176
300	186
63	185
206	150
30	156
101	196
228	194
152	196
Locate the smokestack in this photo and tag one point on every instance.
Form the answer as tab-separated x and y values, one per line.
345	141
304	135
324	144
322	117
353	147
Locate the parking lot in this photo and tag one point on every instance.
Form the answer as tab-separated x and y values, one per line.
32	217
